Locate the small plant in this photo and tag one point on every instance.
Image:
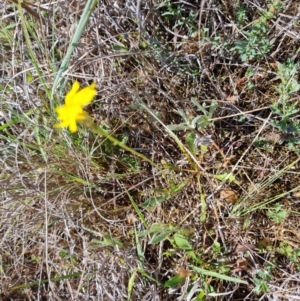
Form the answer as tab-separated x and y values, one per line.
291	253
161	195
277	214
177	13
255	46
178	238
249	74
262	279
285	109
199	122
256	43
192	124
241	15
215	40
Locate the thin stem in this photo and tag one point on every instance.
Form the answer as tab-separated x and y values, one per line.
98	130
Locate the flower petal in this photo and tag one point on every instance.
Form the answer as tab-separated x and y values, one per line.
70	96
72	111
85	95
73	126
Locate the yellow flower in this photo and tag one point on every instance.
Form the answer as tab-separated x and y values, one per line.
72	111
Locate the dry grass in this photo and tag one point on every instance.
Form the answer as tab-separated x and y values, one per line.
74	207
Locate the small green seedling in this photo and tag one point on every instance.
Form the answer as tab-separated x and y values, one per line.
277	214
199	122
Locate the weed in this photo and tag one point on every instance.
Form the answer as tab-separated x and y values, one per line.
193	124
178	239
241	15
254	47
262	279
277	213
180	18
217	43
293	254
256	44
199	122
249	73
284	108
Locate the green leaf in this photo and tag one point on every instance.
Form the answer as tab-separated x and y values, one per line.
226	176
203	122
131	284
184	117
108	241
29	77
119	47
278	214
294	86
212	109
39	282
201	108
165	194
182	242
200	271
154	228
155	201
174	281
178	127
197	120
158	237
190	141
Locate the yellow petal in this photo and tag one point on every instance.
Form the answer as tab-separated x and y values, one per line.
70	96
72	111
82	116
73	127
60	111
85	95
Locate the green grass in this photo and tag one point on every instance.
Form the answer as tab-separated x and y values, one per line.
185	182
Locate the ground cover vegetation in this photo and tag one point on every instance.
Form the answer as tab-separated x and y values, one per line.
179	179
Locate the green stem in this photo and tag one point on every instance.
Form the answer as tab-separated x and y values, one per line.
98	130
